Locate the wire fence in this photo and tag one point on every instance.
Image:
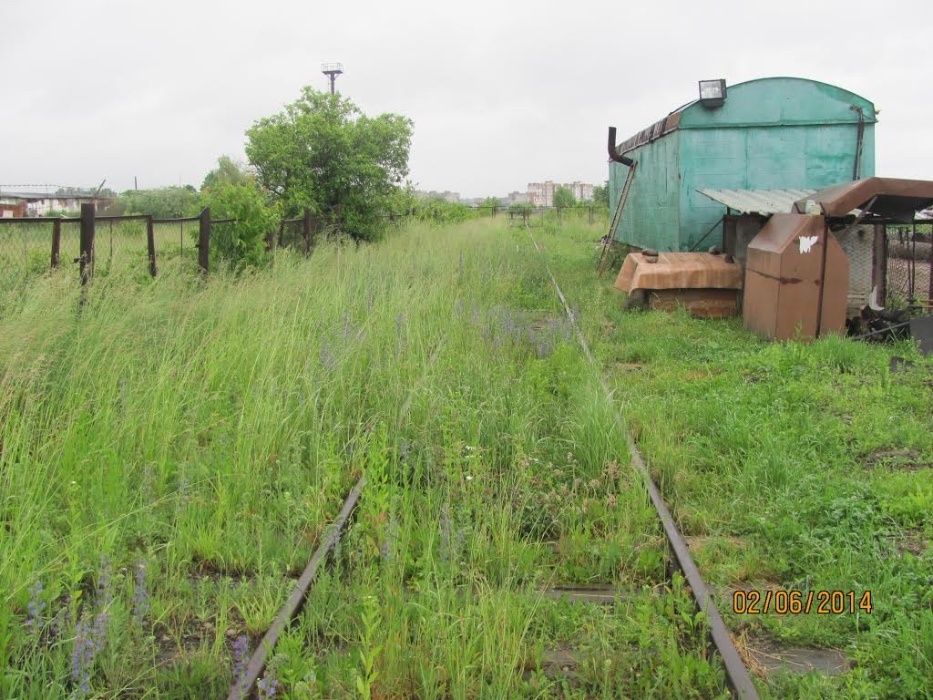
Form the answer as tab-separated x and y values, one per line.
91	244
908	265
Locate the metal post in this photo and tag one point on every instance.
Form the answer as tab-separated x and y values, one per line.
150	244
912	267
930	260
879	267
306	230
56	241
204	238
86	257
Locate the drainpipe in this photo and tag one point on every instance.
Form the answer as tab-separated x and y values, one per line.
613	154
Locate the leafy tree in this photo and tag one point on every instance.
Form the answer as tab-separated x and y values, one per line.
563	198
162	203
491	203
323	153
601	195
241	242
228	171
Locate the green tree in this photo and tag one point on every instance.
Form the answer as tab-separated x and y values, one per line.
491	203
227	170
162	203
323	153
563	198
243	241
601	195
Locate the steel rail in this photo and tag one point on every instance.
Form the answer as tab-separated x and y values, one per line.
737	674
243	685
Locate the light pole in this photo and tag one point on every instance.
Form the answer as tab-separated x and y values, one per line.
332	70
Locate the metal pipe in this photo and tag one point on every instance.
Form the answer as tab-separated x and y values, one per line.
613	154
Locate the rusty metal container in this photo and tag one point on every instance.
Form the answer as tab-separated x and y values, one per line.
706	285
796	279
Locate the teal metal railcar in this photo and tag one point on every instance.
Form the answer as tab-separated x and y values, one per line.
769	133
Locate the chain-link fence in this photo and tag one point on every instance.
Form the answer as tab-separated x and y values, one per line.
909	260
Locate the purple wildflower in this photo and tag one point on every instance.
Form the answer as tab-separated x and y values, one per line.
240	655
327	358
445	532
140	595
35	607
268	687
82	657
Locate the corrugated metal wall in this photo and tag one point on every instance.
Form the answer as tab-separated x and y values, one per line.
771	133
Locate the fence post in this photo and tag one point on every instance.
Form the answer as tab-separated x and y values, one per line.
306	229
86	256
150	244
879	259
930	259
56	241
204	238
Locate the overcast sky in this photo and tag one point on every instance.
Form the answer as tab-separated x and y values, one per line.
501	93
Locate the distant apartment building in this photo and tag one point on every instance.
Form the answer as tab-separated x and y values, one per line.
541	194
582	191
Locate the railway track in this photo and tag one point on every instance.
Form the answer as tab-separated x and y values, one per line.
243	685
737	674
739	679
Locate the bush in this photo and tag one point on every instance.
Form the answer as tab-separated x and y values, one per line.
439	210
162	203
243	242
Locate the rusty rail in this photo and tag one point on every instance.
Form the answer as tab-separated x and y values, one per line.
243	685
736	673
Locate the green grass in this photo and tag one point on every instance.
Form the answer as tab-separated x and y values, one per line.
790	465
172	454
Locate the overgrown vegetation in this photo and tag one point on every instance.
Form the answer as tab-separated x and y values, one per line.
162	202
170	456
788	466
243	242
323	153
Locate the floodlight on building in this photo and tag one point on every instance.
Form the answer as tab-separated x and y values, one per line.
713	93
332	70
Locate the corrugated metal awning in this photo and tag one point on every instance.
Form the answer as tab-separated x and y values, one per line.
764	202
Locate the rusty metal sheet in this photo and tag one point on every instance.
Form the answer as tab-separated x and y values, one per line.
701	303
678	271
893	198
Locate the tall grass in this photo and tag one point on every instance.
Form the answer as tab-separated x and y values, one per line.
173	448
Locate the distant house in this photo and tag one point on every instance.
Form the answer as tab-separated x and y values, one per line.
10	207
19	204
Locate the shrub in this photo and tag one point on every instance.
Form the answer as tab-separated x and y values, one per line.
242	242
